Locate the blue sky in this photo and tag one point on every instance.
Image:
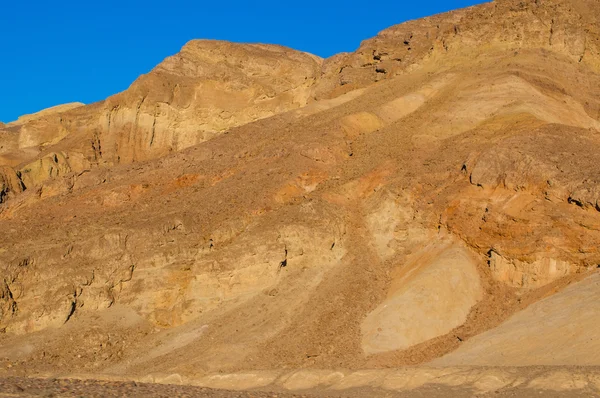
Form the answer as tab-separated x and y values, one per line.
53	52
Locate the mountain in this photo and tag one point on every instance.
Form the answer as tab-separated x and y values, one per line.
431	199
189	98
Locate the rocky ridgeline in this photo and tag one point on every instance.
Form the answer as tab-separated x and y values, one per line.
210	86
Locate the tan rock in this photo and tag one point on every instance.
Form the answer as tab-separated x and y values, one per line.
46	112
238	381
304	380
10	183
50	166
434	294
529	275
206	89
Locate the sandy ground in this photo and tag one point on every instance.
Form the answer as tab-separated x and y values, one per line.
26	387
30	387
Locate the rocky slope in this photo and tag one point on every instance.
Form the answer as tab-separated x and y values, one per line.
409	202
205	89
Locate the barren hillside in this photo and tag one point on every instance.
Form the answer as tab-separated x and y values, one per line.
430	199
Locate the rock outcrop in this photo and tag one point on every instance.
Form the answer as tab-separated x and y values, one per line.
197	94
566	27
10	183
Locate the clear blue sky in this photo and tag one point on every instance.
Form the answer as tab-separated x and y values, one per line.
58	51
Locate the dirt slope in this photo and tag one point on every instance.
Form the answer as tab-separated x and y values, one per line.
566	320
388	207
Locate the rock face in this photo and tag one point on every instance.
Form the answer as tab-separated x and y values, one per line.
197	94
206	89
252	207
10	183
566	27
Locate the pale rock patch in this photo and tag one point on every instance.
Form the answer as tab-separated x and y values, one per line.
432	297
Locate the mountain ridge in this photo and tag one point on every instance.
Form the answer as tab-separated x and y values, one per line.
406	204
372	62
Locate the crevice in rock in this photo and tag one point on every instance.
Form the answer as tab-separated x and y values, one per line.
20	181
153	129
473	183
111	285
378	56
130	277
91	280
575	202
97	145
71	310
74	301
110	119
25	262
488	254
284	262
136	125
7	296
